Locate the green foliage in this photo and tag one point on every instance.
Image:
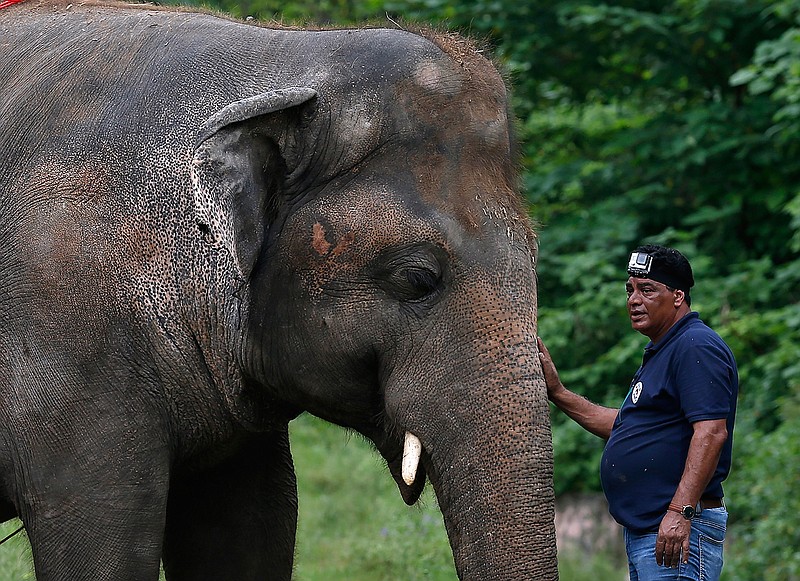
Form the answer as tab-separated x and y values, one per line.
764	489
775	71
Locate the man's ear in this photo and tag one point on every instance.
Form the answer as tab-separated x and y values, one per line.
680	297
239	160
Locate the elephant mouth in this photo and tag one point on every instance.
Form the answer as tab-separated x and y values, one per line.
410	481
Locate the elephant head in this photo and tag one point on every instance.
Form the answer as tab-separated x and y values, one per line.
386	275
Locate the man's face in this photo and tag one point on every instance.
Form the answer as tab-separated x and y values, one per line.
652	307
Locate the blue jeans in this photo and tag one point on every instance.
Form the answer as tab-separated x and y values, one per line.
705	551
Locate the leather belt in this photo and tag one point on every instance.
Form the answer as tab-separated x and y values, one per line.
710	503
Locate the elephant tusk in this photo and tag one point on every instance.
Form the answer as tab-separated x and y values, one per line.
411	453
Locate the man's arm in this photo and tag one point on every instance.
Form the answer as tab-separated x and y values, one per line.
591	417
704	450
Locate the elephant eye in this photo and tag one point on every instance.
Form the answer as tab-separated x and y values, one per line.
421	283
411	274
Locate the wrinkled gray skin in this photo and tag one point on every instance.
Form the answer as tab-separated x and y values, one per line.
208	227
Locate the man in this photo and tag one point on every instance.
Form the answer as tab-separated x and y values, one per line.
668	447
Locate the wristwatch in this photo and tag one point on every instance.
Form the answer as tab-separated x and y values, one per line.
686	512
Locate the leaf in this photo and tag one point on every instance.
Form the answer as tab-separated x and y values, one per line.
743	76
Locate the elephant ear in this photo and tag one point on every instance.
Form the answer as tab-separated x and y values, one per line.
240	157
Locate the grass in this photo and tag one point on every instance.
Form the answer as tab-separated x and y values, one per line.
353	525
15	554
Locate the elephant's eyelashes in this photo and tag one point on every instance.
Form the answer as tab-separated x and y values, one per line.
412	277
421	283
412	284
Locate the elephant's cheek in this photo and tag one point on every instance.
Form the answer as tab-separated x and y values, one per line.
319	255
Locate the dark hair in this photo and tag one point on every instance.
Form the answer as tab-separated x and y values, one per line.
671	265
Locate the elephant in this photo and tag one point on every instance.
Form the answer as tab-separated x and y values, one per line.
209	226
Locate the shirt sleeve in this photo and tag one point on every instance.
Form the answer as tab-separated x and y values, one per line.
704	376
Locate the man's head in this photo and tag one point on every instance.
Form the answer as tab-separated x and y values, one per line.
662	264
658	289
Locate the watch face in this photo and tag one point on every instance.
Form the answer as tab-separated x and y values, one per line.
688	512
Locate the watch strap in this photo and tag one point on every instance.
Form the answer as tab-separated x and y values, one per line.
682	510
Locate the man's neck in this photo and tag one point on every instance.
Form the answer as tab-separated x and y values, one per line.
680	313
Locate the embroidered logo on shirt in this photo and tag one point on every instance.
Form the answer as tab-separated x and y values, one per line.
637	391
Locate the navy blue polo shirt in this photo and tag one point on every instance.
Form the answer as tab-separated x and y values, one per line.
690	375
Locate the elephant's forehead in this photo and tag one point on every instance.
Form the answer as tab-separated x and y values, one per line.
343	232
456	140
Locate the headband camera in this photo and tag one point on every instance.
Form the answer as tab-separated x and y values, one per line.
639	264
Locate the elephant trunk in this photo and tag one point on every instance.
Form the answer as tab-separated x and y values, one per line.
490	463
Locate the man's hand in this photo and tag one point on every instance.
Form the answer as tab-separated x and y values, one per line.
672	543
596	419
551	379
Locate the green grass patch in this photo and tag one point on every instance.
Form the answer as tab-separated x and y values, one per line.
353	524
15	554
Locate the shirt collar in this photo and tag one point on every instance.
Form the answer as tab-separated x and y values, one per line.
652	348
